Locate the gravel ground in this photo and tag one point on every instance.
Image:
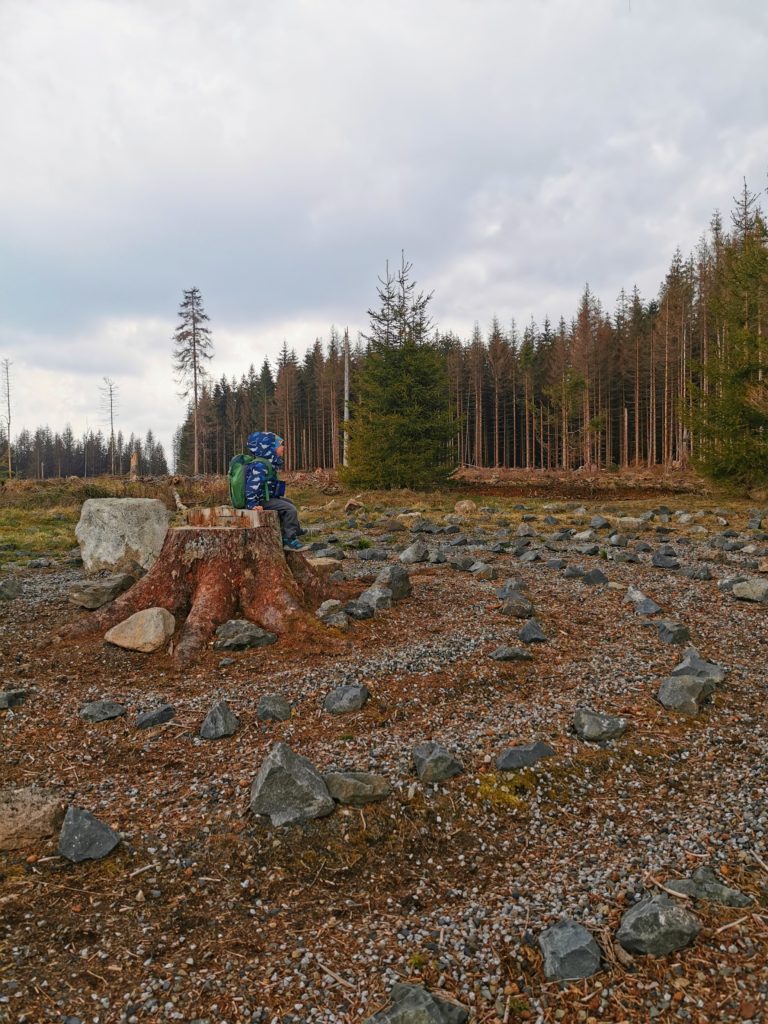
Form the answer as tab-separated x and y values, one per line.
204	913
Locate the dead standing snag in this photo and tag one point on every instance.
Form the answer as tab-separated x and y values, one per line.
223	563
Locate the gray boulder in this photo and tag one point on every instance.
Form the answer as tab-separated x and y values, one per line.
9	590
101	710
119	534
434	762
657	925
92	594
84	837
240	634
705	885
412	1004
289	789
416	552
219	722
273	707
595	728
523	756
569	950
357	788
687	694
643	605
396	579
350	697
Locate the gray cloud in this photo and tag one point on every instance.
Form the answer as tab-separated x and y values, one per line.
275	154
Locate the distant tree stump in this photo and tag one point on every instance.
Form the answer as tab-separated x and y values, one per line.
224	563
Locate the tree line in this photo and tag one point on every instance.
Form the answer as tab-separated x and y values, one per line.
43	454
677	377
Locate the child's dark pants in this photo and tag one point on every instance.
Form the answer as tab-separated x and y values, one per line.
289	517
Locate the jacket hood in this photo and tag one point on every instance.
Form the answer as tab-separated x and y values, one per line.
264	445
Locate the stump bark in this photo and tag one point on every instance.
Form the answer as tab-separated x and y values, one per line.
222	565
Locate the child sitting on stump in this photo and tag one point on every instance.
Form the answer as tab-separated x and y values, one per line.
263	490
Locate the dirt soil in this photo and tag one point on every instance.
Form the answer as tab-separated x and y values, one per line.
204	913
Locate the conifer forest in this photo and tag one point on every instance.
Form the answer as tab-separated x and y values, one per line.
662	380
674	379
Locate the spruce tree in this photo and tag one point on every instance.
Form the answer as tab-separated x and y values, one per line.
400	426
192	348
731	415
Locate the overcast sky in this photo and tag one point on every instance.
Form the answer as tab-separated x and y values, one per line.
274	153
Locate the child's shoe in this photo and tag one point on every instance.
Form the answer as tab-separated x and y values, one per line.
293	545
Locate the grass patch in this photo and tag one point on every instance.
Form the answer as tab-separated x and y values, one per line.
506	789
39	531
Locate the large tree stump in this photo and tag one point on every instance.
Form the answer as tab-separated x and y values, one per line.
225	563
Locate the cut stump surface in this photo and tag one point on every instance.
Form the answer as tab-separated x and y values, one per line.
212	573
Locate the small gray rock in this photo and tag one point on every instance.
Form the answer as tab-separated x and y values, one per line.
694	665
505	653
373	555
751	590
328	608
434	762
240	634
396	579
12	699
657	925
9	590
101	710
289	789
359	610
523	756
532	633
340	621
686	694
594	578
84	837
510	587
376	597
671	632
517	606
574	572
357	788
92	594
412	1004
157	716
273	707
416	552
570	951
705	885
219	722
595	728
662	561
350	697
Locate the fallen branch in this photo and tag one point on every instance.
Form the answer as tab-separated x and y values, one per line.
335	976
